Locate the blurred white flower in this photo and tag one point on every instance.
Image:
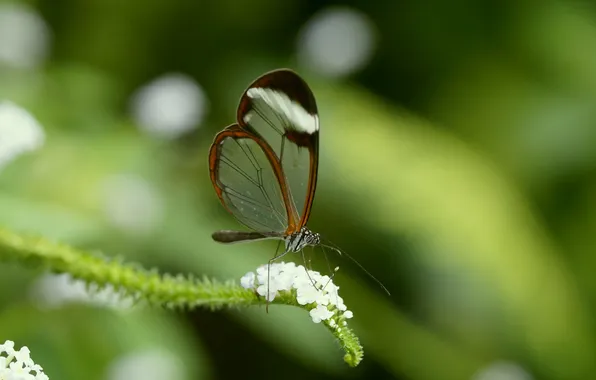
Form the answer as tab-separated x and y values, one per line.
19	132
53	291
18	365
336	42
132	204
502	370
311	288
24	36
149	364
169	106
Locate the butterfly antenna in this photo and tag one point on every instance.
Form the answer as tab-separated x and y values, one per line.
330	271
326	259
340	252
333	246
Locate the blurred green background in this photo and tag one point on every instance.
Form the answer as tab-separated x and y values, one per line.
458	165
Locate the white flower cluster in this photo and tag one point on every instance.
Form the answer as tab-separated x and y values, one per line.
311	288
17	365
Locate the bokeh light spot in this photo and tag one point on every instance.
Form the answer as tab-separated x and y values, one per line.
169	106
24	36
336	42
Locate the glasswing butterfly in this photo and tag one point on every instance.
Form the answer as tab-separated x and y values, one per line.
264	167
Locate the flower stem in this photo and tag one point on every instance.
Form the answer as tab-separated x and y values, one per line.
131	280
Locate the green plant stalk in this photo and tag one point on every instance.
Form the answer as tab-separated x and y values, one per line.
131	280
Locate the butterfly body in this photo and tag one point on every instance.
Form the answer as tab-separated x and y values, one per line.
301	239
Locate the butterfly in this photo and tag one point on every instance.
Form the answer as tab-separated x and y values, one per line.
264	167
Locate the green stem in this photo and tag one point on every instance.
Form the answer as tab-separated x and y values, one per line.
139	283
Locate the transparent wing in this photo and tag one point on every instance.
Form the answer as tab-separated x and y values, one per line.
280	108
246	181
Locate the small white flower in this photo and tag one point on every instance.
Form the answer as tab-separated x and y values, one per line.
311	288
339	302
320	313
23	355
262	291
302	277
285	276
248	280
8	346
18	365
310	294
19	132
263	274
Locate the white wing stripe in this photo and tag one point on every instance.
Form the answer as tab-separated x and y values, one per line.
298	118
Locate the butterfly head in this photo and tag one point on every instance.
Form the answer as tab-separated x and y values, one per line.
311	238
301	239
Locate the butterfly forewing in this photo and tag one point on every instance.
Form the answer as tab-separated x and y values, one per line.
300	174
246	181
280	108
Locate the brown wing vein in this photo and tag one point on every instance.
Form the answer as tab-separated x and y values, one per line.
235	193
225	160
236	132
259	171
